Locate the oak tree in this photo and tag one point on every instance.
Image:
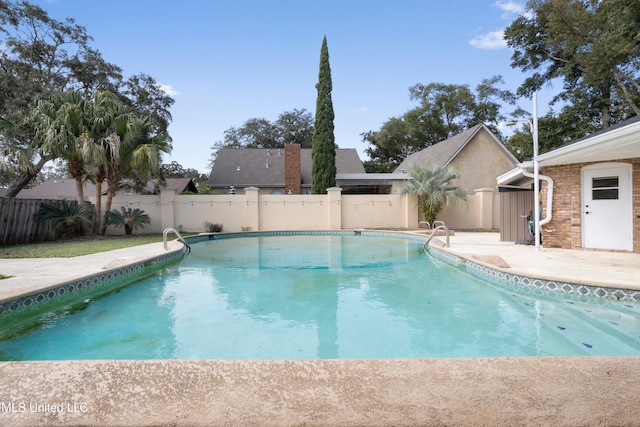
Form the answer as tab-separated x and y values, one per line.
592	46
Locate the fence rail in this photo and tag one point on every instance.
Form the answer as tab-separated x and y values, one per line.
18	223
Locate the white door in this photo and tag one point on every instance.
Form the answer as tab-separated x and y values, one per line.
607	216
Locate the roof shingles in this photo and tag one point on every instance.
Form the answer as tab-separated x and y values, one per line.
262	167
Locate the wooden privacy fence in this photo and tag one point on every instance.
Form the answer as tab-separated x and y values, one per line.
18	223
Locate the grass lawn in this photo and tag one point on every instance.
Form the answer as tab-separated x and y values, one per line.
76	247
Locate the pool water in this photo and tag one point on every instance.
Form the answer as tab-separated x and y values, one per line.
325	297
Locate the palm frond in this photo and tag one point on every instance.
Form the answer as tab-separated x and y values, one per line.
6	124
435	186
130	219
64	215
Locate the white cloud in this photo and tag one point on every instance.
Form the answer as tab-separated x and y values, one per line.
495	39
360	110
510	8
169	90
492	40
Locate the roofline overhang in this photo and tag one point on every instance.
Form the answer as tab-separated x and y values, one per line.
510	175
615	144
619	143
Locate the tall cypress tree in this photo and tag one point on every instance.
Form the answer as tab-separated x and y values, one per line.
323	148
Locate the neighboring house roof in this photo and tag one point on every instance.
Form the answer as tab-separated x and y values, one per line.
442	153
370	178
262	167
621	141
59	188
66	188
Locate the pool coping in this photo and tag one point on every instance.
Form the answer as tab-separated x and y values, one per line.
478	391
531	283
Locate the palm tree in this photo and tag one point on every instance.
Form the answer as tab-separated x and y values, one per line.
59	123
128	218
140	154
101	143
118	145
66	216
54	127
434	185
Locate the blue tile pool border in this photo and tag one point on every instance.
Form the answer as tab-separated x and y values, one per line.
534	286
100	283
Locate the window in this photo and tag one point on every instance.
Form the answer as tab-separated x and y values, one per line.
605	188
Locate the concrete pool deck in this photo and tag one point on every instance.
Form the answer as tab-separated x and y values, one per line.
597	268
509	391
29	275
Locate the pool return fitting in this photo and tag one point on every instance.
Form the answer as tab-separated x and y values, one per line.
177	233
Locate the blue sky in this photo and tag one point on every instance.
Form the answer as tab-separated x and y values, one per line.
227	61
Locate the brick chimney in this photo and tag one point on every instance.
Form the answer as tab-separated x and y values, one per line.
292	172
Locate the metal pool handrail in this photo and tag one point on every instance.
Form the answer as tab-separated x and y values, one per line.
177	233
433	233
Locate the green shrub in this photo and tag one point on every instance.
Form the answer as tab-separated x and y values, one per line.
67	216
130	219
212	228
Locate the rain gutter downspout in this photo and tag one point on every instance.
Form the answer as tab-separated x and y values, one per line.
548	216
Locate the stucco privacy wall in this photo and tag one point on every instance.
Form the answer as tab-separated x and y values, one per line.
332	211
151	205
565	228
480	212
303	213
379	210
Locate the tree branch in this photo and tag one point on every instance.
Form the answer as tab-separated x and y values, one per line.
555	58
617	73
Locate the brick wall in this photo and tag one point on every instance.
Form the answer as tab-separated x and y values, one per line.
292	172
565	229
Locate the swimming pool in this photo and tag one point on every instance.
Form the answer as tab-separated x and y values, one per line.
323	297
